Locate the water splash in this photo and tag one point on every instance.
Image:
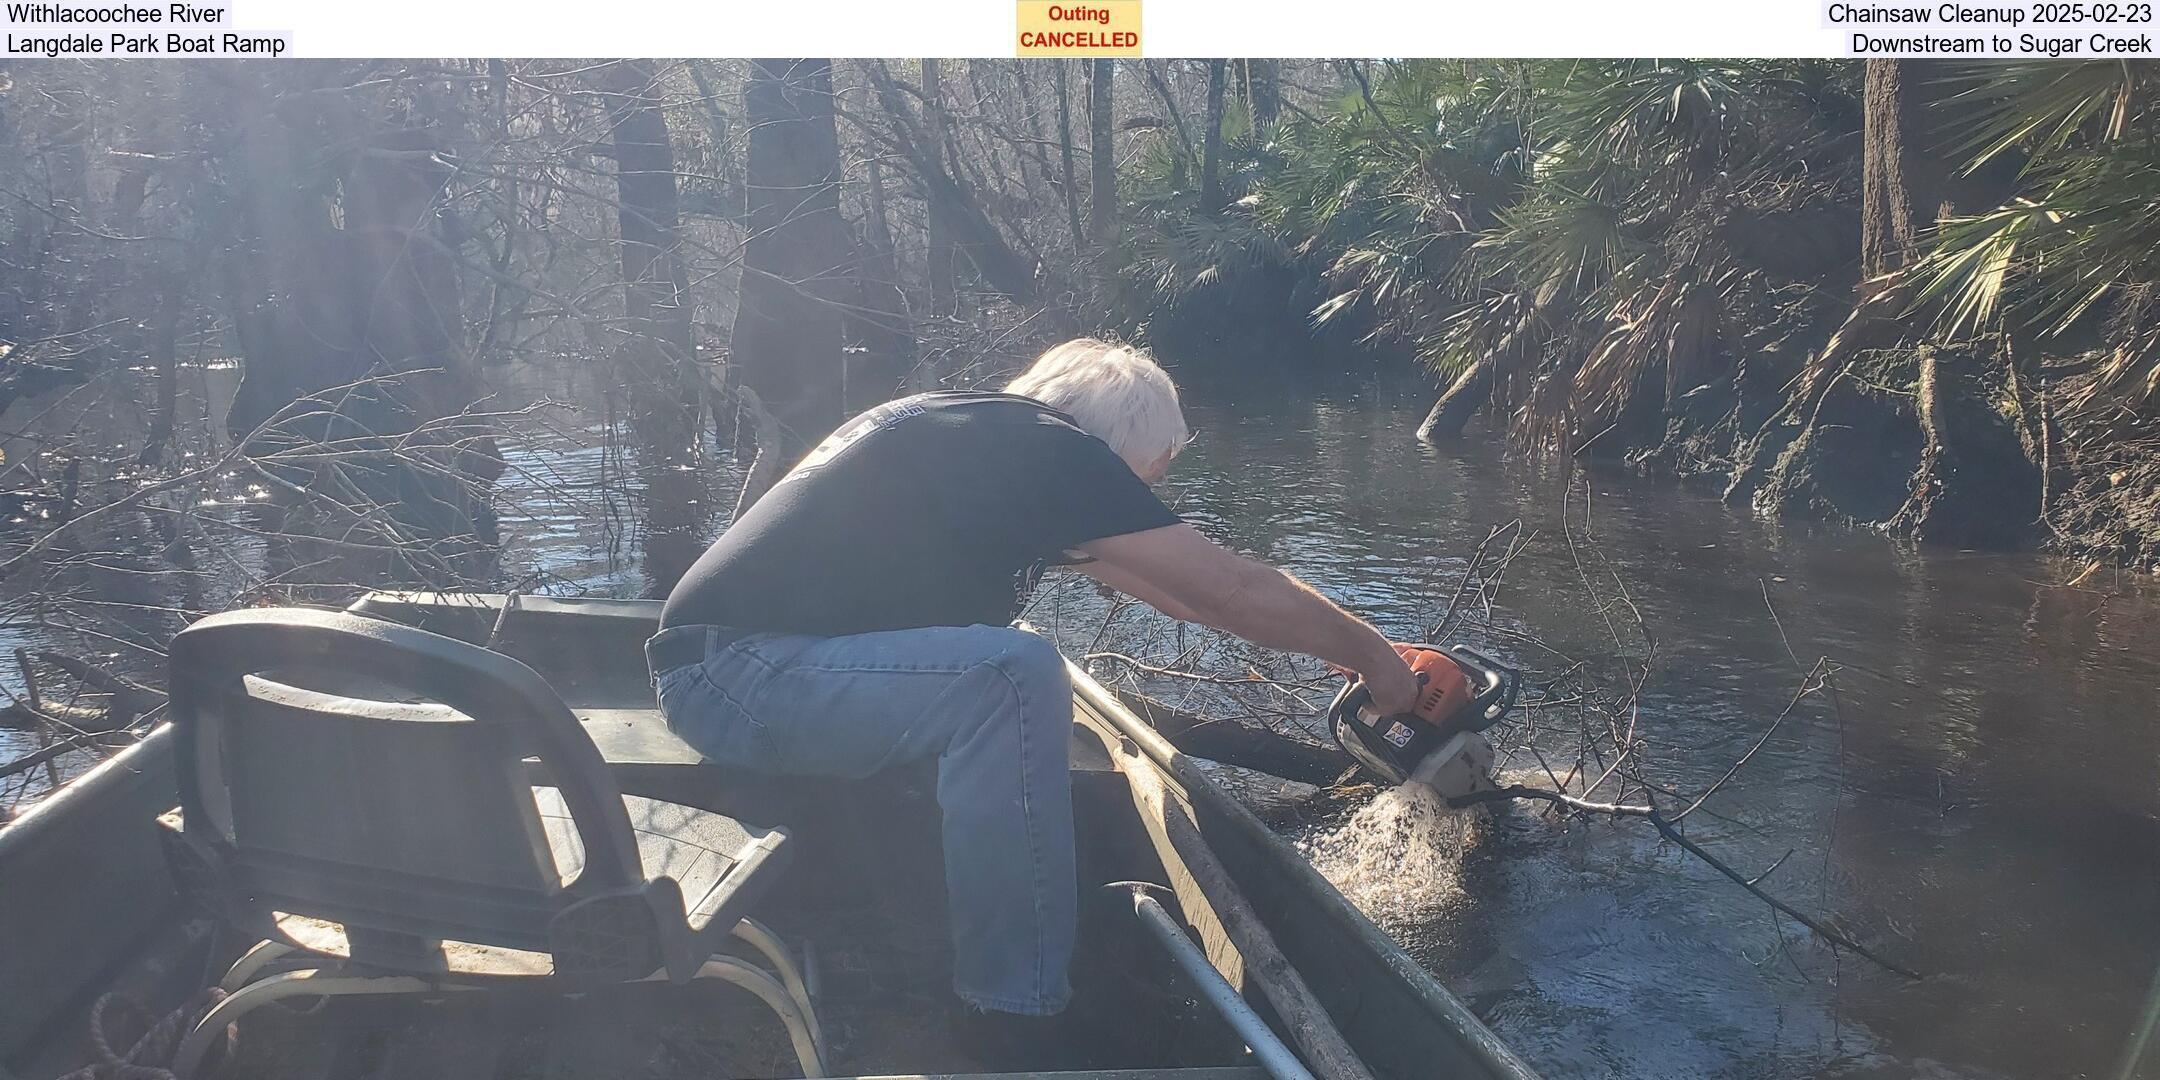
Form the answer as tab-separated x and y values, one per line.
1399	858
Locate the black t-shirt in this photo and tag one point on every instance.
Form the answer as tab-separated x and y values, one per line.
940	509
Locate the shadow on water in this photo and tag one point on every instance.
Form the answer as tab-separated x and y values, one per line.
1984	805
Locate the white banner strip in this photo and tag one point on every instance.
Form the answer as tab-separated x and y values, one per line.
1190	28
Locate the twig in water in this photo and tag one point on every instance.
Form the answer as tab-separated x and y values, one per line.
1470	573
1772	868
1665	828
1814	681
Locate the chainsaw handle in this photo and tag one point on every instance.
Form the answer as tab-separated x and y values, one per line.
1497	688
1499	685
1393	748
1353	699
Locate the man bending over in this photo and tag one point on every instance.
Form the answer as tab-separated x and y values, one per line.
858	617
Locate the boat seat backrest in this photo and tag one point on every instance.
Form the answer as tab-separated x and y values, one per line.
374	775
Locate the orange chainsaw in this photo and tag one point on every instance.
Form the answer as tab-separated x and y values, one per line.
1437	743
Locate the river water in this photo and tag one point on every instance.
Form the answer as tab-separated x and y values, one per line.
1983	806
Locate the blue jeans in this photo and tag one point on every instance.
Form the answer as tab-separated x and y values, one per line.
992	704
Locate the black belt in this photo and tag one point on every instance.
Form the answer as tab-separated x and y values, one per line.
682	646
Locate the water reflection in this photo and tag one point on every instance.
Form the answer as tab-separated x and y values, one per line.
1984	802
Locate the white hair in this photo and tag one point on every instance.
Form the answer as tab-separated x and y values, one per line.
1116	393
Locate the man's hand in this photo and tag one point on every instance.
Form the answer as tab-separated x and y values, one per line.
1393	686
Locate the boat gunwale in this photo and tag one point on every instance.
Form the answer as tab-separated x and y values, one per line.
1096	708
1194	787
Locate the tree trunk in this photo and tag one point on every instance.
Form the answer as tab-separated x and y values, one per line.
722	131
1977	485
880	322
164	349
656	294
1065	157
1103	215
1263	90
340	279
1903	178
1463	399
69	254
1002	268
943	275
164	278
1180	162
1031	150
656	365
332	290
787	337
1211	192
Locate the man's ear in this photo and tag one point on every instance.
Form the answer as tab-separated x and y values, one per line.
1152	472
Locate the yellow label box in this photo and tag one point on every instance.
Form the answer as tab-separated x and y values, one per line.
1092	28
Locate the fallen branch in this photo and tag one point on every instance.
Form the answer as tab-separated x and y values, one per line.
1250	678
1816	678
1470	574
1665	828
128	695
87	741
21	716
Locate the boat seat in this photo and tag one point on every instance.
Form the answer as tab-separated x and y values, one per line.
637	738
389	811
697	849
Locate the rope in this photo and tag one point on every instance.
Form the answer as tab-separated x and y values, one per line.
147	1057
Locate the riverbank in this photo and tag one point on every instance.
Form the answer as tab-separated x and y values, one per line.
1957	445
1967	446
1911	296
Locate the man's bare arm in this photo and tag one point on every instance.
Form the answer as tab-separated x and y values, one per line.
1187	576
1132	585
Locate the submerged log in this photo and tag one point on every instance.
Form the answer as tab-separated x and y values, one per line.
1271	798
1237	744
126	699
19	716
64	747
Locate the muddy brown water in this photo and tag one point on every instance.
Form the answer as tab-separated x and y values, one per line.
1985	806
